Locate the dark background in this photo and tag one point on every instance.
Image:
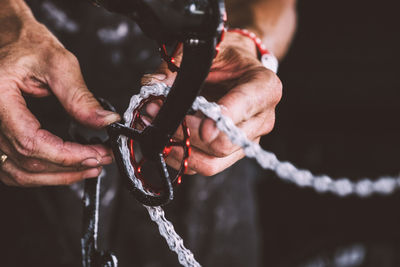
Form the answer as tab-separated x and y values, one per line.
339	115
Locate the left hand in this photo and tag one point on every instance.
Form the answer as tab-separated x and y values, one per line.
248	91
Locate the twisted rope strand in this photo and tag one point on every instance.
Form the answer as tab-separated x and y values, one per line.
384	185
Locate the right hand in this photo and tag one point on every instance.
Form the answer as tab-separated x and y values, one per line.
33	62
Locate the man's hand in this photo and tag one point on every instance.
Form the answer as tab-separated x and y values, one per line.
238	81
34	63
248	91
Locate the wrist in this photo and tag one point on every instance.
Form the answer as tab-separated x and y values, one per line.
241	42
266	57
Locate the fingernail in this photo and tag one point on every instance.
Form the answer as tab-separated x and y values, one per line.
92	173
152	109
91	162
106	160
108	116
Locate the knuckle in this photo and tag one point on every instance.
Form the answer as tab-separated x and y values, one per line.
70	57
272	87
268	125
20	179
278	90
25	145
267	128
62	59
276	87
222	147
79	95
64	161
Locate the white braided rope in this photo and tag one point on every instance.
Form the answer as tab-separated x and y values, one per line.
165	227
285	170
267	160
174	241
145	92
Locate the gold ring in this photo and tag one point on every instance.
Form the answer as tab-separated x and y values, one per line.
3	158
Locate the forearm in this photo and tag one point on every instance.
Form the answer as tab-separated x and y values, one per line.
274	21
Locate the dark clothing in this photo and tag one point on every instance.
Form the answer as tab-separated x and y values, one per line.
216	216
338	115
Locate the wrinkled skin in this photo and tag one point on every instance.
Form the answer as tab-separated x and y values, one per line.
34	63
248	91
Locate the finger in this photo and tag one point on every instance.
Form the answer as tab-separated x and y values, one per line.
176	164
35	87
23	131
207	165
203	163
29	164
66	81
5	179
221	146
257	90
38	165
247	100
26	179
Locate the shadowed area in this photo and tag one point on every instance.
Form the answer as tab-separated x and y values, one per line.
339	115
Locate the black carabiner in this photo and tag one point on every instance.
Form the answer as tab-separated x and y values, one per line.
200	33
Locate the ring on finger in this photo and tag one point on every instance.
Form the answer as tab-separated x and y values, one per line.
3	158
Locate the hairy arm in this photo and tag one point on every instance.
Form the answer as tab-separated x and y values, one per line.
274	21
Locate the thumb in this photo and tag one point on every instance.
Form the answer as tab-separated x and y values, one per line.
68	86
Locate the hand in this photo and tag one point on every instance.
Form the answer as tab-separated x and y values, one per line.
34	63
248	91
